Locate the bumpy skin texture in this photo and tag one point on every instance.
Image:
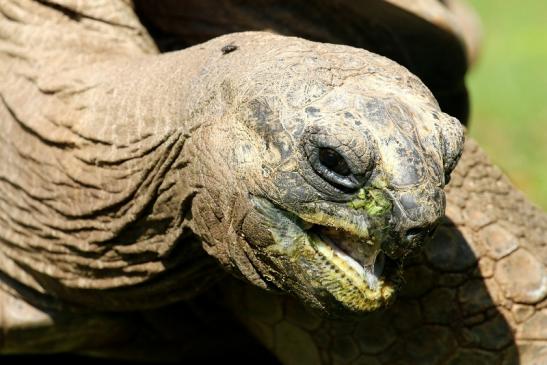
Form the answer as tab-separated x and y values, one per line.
477	294
102	197
435	40
111	178
139	186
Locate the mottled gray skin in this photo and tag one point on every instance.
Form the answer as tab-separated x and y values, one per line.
475	294
120	166
436	40
396	142
228	138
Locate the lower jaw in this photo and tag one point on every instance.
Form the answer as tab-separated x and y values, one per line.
347	285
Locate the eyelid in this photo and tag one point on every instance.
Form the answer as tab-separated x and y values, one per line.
360	164
339	162
348	183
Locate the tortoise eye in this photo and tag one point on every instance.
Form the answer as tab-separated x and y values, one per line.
333	161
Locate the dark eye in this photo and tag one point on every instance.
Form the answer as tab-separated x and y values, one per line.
333	168
334	161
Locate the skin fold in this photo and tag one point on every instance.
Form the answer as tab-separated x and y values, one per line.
121	202
239	168
474	295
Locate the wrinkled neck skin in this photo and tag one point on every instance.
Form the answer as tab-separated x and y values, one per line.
102	165
110	179
107	160
133	164
130	164
121	168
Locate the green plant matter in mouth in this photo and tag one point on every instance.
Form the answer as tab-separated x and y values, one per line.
373	201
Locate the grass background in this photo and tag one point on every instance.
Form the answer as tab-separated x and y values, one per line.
508	89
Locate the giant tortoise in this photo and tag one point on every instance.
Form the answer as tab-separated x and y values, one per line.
153	205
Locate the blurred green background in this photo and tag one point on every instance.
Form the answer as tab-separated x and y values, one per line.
508	89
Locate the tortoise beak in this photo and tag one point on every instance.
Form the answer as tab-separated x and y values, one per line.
415	216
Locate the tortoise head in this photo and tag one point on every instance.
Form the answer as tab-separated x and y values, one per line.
337	166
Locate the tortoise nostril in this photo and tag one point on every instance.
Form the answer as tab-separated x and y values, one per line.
415	233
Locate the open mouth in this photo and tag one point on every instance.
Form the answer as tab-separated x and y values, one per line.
360	258
339	264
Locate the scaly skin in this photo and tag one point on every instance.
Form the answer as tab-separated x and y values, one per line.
121	164
425	36
78	112
476	295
